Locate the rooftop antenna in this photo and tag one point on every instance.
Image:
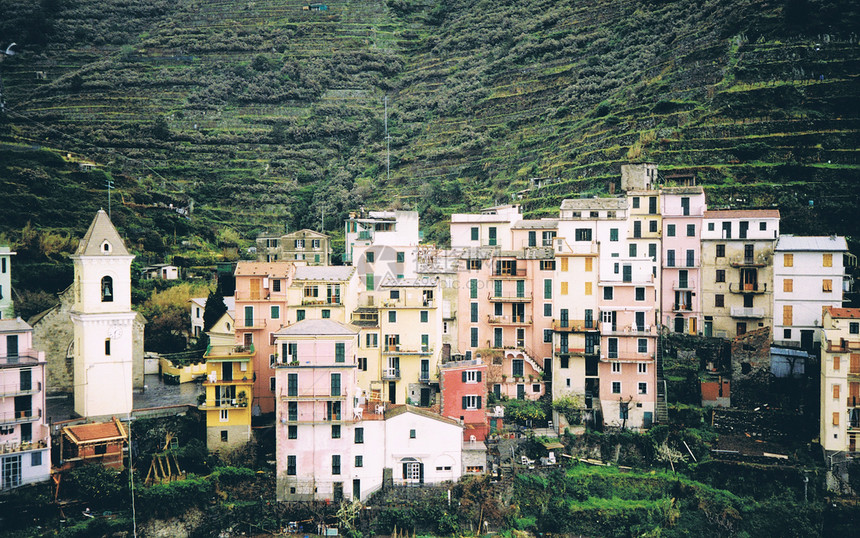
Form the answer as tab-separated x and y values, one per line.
109	184
387	144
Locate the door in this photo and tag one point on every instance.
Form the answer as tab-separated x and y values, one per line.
425	370
227	371
547	367
356	489
12	345
249	316
627	273
647	419
693	327
806	339
425	397
26	378
338	491
709	329
518	311
679	324
256	288
392	392
521	391
564	317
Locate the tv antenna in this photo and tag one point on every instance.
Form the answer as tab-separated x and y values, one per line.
387	145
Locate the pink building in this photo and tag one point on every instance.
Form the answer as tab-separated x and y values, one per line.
683	209
628	345
464	396
24	436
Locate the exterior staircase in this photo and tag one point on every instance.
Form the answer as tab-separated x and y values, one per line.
662	411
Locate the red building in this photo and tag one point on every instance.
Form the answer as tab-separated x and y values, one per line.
464	396
98	442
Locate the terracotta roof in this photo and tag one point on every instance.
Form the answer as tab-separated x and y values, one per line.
272	269
96	431
849	313
742	213
101	230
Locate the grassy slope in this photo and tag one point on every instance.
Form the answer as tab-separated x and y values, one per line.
262	112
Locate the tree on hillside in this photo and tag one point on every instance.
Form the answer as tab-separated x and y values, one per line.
215	308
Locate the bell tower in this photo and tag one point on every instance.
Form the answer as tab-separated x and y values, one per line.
103	321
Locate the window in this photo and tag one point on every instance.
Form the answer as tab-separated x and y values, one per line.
670	258
276	285
719	301
721	251
836	419
762	226
564	288
339	352
371	340
492	236
275	312
836	363
787	315
652	205
643	388
691	230
517	367
547	310
292	411
788	285
588	288
532	239
359	461
412	434
788	260
670	230
335	464
392	316
632	250
401	257
473	288
642	345
474	336
616	367
640	294
854	328
335	431
635	202
607	293
642	368
362	364
564	263
292	431
535	387
835	392
107	289
471	402
582	234
685	206
369	257
786	334
828	260
710	226
616	387
652	226
300	315
292	384
547	288
652	251
424	316
335	384
547	336
613	348
474	312
224	436
36	459
474	265
547	265
616	268
564	362
613	234
827	285
721	275
224	415
107	346
291	465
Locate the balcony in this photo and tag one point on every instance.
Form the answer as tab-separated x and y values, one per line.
224	403
424	377
256	323
261	295
403	350
627	330
853	401
747	312
507	298
312	396
745	261
313	301
18	417
23	358
509	320
682	285
519	272
10	447
15	389
229	353
402	303
680	263
577	352
843	346
681	307
391	374
215	381
574	325
742	287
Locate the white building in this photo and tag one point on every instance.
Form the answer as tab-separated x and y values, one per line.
6	305
489	228
198	306
103	322
809	275
382	244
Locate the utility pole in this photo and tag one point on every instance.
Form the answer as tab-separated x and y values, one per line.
322	218
387	144
109	183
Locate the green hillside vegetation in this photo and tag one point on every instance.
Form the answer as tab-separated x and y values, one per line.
262	114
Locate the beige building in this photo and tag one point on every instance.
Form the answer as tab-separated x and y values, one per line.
840	380
737	270
308	246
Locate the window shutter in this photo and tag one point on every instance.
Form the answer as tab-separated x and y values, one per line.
405	471
464	375
479	376
465	402
479	402
421	473
836	419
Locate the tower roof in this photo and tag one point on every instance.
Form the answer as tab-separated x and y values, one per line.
101	230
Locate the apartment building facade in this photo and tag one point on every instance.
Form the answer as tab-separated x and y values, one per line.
6	304
839	420
382	245
302	246
229	395
681	278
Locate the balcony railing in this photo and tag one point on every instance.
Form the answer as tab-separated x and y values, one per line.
424	377
508	298
509	320
391	374
9	447
843	346
30	356
403	350
224	403
853	401
747	261
606	328
256	323
401	303
681	307
509	273
577	351
574	325
315	301
228	352
747	312
313	396
743	287
18	417
15	389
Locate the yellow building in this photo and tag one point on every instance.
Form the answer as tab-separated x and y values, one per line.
840	380
229	395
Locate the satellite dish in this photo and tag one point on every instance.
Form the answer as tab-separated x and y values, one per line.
9	51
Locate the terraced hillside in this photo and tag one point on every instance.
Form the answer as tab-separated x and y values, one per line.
264	113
